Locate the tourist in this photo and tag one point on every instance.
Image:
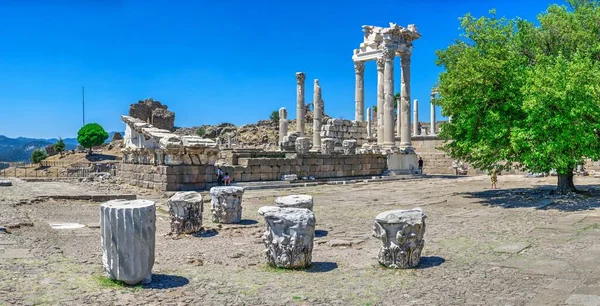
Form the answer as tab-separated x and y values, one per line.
494	178
421	165
227	179
219	176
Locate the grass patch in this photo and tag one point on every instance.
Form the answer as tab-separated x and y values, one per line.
296	298
589	227
106	282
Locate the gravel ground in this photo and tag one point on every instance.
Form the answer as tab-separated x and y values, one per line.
512	246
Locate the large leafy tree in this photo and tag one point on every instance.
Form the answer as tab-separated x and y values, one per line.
91	135
522	95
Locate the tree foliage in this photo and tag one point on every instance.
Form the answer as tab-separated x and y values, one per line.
522	95
91	135
274	116
201	131
60	146
38	155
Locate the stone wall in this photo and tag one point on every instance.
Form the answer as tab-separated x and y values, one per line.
200	177
340	129
153	112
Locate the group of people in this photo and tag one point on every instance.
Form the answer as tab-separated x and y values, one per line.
223	178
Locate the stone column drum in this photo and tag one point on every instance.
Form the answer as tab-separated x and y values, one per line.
401	234
388	110
300	76
368	123
327	145
289	236
349	146
185	209
295	201
405	141
380	99
127	236
432	114
226	204
359	91
302	145
317	117
283	124
416	130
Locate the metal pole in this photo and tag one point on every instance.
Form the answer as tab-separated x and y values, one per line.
83	102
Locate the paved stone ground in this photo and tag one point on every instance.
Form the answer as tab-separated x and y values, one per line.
513	246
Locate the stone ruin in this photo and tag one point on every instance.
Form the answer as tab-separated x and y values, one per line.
153	112
401	233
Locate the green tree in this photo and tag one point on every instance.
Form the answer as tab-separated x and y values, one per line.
524	96
274	116
59	146
201	131
91	135
38	155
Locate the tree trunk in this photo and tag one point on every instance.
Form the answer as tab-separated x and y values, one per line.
565	183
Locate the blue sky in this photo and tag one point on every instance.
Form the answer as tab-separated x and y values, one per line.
209	61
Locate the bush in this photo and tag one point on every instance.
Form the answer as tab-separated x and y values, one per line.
38	155
201	132
59	146
274	116
91	135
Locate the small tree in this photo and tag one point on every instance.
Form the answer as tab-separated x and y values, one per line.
274	116
59	146
201	131
38	155
91	135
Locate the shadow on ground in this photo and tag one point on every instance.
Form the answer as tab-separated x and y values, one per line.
319	267
321	233
164	281
99	157
248	222
430	261
540	197
206	233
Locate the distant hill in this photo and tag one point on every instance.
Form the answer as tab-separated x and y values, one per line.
19	149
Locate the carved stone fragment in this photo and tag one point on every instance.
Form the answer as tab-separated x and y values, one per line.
401	234
289	236
302	145
226	204
295	201
185	209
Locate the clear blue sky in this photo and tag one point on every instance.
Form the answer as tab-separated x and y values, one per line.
209	61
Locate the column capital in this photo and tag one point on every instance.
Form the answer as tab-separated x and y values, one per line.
380	63
300	77
388	53
359	67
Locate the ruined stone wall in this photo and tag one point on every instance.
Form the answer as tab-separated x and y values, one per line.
340	129
153	112
199	177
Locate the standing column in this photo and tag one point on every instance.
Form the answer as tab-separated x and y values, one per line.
398	117
300	103
380	100
388	88
416	130
368	123
283	124
317	117
432	115
405	102
359	91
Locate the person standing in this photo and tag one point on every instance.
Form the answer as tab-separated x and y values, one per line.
494	178
220	176
421	165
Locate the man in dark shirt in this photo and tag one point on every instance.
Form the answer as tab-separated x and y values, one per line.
421	165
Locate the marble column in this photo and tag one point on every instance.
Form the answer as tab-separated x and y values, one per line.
283	124
401	233
405	141
432	115
388	110
416	130
317	117
226	204
380	99
300	76
368	122
359	91
185	209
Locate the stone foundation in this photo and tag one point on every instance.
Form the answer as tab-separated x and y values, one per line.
202	177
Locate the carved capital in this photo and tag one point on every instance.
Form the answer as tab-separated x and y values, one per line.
359	67
380	63
300	77
388	53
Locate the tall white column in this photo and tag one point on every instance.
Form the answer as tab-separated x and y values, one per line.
359	91
398	117
405	141
368	122
300	102
283	124
317	117
416	130
380	99
432	115
388	111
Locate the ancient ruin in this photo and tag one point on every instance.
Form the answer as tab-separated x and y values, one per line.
226	204
289	236
127	234
401	233
185	209
295	201
153	112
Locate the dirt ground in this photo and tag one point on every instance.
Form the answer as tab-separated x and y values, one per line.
513	246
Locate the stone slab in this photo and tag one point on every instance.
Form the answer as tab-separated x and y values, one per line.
15	253
558	268
60	226
583	300
5	183
513	248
